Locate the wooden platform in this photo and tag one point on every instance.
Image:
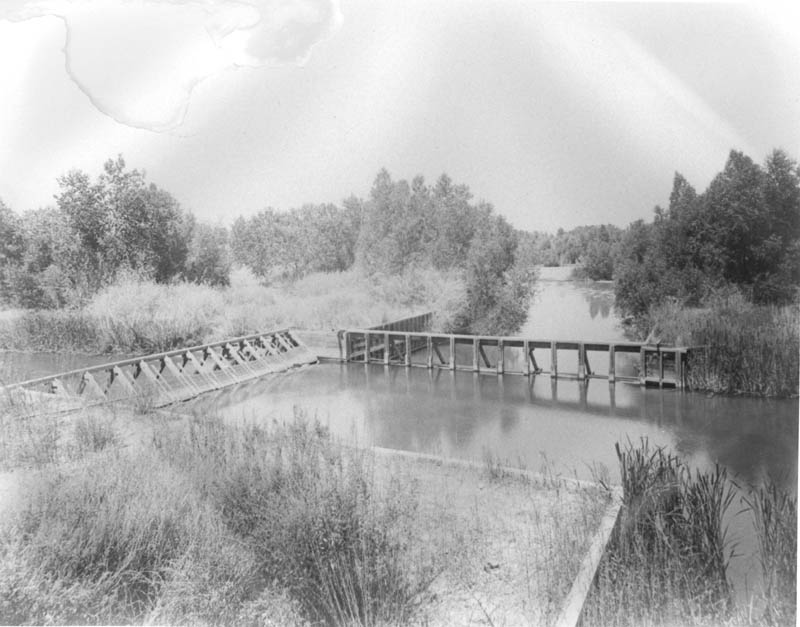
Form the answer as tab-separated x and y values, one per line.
163	378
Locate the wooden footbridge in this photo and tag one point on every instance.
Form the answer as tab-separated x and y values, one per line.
406	343
163	378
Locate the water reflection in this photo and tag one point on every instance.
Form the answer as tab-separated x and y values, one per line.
463	414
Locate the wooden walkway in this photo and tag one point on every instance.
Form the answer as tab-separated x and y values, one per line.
656	365
163	378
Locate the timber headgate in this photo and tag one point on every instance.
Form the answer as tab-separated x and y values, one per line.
164	378
408	343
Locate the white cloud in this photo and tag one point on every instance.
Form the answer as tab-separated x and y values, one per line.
138	61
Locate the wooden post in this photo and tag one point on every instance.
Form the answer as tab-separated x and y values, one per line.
679	369
553	359
476	365
452	353
526	354
612	373
408	350
430	351
386	349
347	346
581	361
501	357
660	368
642	366
366	347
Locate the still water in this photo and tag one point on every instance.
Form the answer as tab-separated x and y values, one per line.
568	426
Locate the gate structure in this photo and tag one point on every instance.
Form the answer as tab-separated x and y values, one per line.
657	365
163	378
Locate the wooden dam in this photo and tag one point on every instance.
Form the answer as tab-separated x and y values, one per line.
407	343
162	378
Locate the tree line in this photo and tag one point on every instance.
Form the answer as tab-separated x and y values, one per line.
60	256
100	230
742	234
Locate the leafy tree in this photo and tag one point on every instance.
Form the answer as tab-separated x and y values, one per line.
123	222
209	259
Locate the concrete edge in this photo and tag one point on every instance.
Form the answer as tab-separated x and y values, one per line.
576	598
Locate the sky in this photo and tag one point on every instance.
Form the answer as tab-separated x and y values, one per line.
559	114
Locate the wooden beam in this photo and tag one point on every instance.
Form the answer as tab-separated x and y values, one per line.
476	364
553	359
612	372
528	355
501	357
642	366
581	362
452	353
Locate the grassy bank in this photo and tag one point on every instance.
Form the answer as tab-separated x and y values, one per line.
667	559
746	349
139	316
154	519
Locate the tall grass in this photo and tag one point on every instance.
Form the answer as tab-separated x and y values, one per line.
213	524
667	559
746	349
52	331
775	516
139	316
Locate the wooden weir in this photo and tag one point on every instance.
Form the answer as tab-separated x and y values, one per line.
164	378
657	365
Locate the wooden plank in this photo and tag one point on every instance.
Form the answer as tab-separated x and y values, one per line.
612	372
88	382
483	354
528	355
407	358
476	364
581	362
452	353
429	346
386	349
553	359
442	360
501	357
576	598
536	368
642	365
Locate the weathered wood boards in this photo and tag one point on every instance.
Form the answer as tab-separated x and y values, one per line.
164	378
657	365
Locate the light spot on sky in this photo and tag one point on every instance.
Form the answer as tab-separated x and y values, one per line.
559	114
139	61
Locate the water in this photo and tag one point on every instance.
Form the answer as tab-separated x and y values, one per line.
567	426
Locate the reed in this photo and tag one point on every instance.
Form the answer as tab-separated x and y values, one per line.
667	559
774	513
745	348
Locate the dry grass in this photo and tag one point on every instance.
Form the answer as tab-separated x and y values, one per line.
203	522
135	316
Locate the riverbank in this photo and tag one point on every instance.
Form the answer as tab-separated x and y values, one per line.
173	519
140	317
